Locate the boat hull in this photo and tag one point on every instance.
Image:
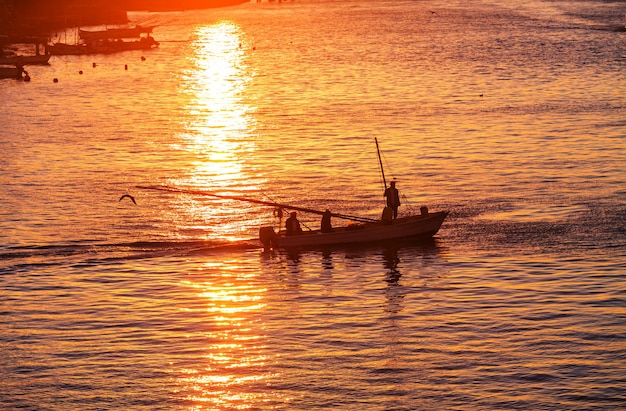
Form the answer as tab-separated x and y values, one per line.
114	33
418	227
102	47
41	59
12	72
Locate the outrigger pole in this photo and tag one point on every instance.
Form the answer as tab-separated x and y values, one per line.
255	201
380	160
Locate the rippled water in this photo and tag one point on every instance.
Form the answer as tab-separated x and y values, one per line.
510	115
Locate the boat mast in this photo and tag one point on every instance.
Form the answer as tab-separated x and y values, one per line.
380	161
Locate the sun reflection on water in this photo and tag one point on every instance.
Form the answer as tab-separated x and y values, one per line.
217	128
216	134
232	370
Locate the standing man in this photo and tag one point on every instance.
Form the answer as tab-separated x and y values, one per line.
393	198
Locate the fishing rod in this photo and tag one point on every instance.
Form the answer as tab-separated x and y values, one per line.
255	201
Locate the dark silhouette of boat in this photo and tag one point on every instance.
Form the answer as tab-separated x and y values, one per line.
421	226
112	40
415	227
16	72
114	33
38	59
10	57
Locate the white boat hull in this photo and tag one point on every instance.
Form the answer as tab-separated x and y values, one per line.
420	226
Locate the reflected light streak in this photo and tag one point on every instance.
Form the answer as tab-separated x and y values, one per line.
216	137
232	370
218	124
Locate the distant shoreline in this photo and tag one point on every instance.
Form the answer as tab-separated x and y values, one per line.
37	18
181	5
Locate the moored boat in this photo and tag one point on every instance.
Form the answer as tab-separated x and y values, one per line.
64	49
107	42
23	50
15	72
37	59
114	33
102	46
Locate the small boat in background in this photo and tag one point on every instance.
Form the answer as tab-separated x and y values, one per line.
64	49
37	59
113	40
15	72
23	51
115	33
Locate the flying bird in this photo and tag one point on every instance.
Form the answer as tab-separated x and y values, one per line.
129	196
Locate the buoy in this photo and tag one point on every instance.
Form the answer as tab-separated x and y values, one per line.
56	80
143	58
125	66
93	65
80	72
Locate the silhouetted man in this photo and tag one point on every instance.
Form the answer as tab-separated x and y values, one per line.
326	227
393	198
292	225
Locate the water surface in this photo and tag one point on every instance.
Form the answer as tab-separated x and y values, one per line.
510	116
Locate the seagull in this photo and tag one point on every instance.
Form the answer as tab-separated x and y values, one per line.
129	196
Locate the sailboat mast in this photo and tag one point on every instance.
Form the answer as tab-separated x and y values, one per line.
380	161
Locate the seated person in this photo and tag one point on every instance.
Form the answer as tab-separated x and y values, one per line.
292	225
326	227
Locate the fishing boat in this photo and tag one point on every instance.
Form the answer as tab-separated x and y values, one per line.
108	41
15	72
108	46
64	49
362	229
29	51
115	33
102	46
418	227
37	59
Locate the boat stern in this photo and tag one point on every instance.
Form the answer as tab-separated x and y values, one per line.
267	235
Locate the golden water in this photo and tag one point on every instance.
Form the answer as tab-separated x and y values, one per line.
510	115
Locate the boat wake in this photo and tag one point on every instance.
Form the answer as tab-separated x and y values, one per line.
23	258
